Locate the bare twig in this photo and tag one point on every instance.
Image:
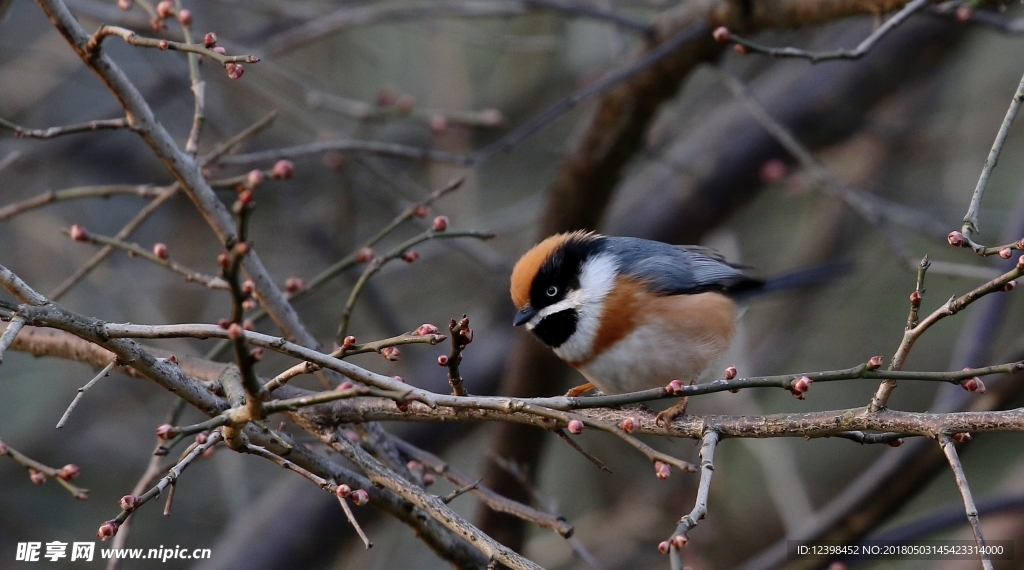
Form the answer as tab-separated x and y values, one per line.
461	335
37	470
972	511
700	507
10	159
971	218
355	524
98	125
12	330
357	146
81	392
864	47
461	491
134	39
590	457
141	190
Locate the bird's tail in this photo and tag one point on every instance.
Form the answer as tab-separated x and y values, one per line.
804	277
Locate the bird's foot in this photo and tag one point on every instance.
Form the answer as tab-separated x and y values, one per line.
579	390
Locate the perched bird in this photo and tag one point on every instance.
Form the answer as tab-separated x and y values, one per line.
632	314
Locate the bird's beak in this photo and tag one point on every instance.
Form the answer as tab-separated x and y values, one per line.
524	316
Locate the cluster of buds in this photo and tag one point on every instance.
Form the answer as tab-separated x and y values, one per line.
235	70
575	427
165	9
799	386
37	477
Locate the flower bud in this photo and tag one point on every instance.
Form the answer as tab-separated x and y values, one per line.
405	103
349	342
346	385
1020	263
730	373
248	325
249	304
235	331
391	353
428	479
896	442
256	354
223	323
165	9
425	329
973	385
679	541
107	530
283	170
799	386
166	432
442	360
438	124
254	178
491	118
955	239
37	477
1010	285
242	248
4	450
629	425
915	298
741	49
410	255
962	437
420	211
575	427
662	470
773	171
223	260
664	547
675	387
202	437
210	40
343	491
185	17
1005	253
79	233
400	379
125	4
235	70
128	502
360	497
874	363
365	254
721	35
172	358
69	472
294	284
963	13
220	50
440	224
163	45
387	96
160	250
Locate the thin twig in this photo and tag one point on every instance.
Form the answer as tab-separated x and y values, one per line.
461	491
357	146
52	472
863	48
12	330
81	392
52	132
971	218
460	338
700	507
141	190
10	159
965	491
355	524
134	39
590	457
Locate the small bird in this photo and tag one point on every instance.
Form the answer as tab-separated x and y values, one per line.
632	314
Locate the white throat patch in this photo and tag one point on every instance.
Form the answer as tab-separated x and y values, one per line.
597	277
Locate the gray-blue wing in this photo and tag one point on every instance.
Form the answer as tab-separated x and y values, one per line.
677	270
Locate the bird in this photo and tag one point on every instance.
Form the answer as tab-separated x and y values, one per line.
632	314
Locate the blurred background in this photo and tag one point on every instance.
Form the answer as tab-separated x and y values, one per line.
911	124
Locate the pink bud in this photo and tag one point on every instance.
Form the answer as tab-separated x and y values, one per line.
1005	253
425	329
220	50
575	427
160	250
248	325
387	96
973	385
628	425
1020	263
675	387
442	360
210	40
438	124
492	118
915	298
874	363
346	385
773	171
235	70
963	13
955	238
248	286
721	35
428	479
440	224
256	354
185	17
410	255
249	304
172	358
1010	285
896	442
128	502
294	284
679	541
202	437
349	342
662	470
799	386
664	547
223	323
400	379
166	432
414	466
420	211
223	260
79	233
163	45
343	491
37	477
391	353
741	49
254	178
961	437
360	497
730	373
283	170
405	103
235	331
107	530
4	450
69	472
164	9
365	254
125	4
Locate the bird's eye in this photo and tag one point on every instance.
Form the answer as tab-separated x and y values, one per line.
552	291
